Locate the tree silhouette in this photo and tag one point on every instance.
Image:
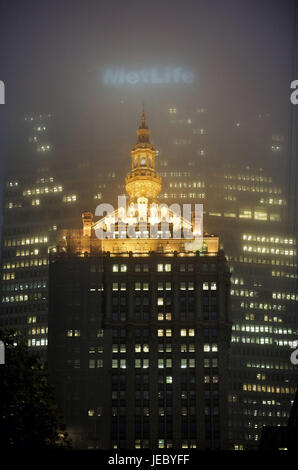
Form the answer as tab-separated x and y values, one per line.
29	415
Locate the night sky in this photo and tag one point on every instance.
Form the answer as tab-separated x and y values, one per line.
52	55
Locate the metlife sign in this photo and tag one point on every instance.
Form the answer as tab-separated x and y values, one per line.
148	76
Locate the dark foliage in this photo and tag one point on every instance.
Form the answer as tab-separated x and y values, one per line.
29	416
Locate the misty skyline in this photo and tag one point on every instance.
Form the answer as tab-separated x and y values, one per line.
53	56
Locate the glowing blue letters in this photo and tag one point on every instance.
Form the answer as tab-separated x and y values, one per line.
148	76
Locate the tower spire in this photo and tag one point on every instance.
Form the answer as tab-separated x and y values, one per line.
143	118
143	131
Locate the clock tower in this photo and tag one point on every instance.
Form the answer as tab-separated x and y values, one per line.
142	184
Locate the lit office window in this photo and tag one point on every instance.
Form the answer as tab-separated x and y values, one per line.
145	363
260	215
245	214
160	363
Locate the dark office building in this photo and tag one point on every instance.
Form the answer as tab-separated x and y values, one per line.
139	329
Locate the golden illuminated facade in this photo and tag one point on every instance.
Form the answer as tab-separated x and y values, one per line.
158	228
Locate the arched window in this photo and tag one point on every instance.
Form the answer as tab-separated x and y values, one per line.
143	161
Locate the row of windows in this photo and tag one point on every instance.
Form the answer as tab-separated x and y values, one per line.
284	274
25	241
268	250
162	444
284	295
167	332
183	332
262	340
8	276
261	306
243	293
185	362
162	363
254	189
30	285
268	239
257	413
199	184
70	198
182	196
268	388
269	365
37	342
274	201
166	348
163	286
26	263
161	332
183	267
276	262
249	178
38	331
13	205
162	316
261	329
167	362
22	298
46	190
247	214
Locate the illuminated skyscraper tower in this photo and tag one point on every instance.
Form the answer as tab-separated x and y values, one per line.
139	328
